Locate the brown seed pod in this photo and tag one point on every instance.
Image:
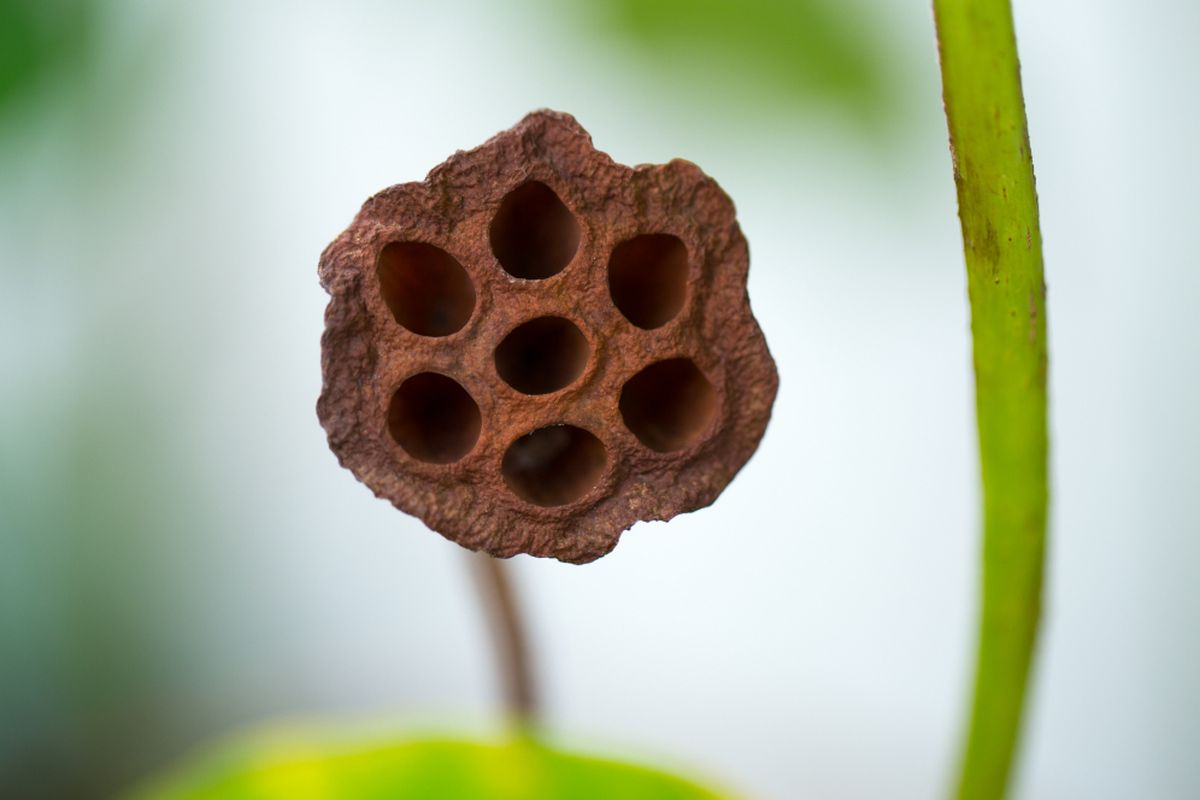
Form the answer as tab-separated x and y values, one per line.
536	347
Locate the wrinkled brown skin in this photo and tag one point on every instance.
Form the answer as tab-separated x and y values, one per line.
366	355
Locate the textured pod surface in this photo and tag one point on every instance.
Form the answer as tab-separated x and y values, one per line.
536	347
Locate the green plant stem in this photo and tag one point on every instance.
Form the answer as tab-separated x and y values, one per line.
508	637
997	206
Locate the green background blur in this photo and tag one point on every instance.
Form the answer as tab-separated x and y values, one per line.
180	555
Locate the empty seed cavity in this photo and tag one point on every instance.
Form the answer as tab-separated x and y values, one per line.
533	234
554	466
434	418
647	278
669	404
427	290
542	355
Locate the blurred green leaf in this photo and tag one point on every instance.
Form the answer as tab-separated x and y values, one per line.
784	52
41	40
297	768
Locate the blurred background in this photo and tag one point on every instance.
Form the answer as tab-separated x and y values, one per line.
181	556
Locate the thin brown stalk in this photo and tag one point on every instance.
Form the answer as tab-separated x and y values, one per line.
508	636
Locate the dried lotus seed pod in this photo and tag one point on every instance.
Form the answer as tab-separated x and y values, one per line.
536	347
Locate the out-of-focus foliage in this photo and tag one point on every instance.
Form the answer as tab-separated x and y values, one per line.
293	767
756	52
94	502
39	42
85	496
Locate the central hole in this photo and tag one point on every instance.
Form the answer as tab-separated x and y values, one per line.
668	405
434	418
533	234
553	466
542	355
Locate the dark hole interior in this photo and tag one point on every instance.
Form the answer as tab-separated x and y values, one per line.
434	418
542	355
647	278
426	289
669	404
553	466
533	234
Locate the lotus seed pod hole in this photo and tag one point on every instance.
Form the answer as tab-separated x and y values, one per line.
555	465
647	277
542	355
534	235
669	404
434	418
426	289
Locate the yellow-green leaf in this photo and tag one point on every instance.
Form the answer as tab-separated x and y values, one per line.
303	767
